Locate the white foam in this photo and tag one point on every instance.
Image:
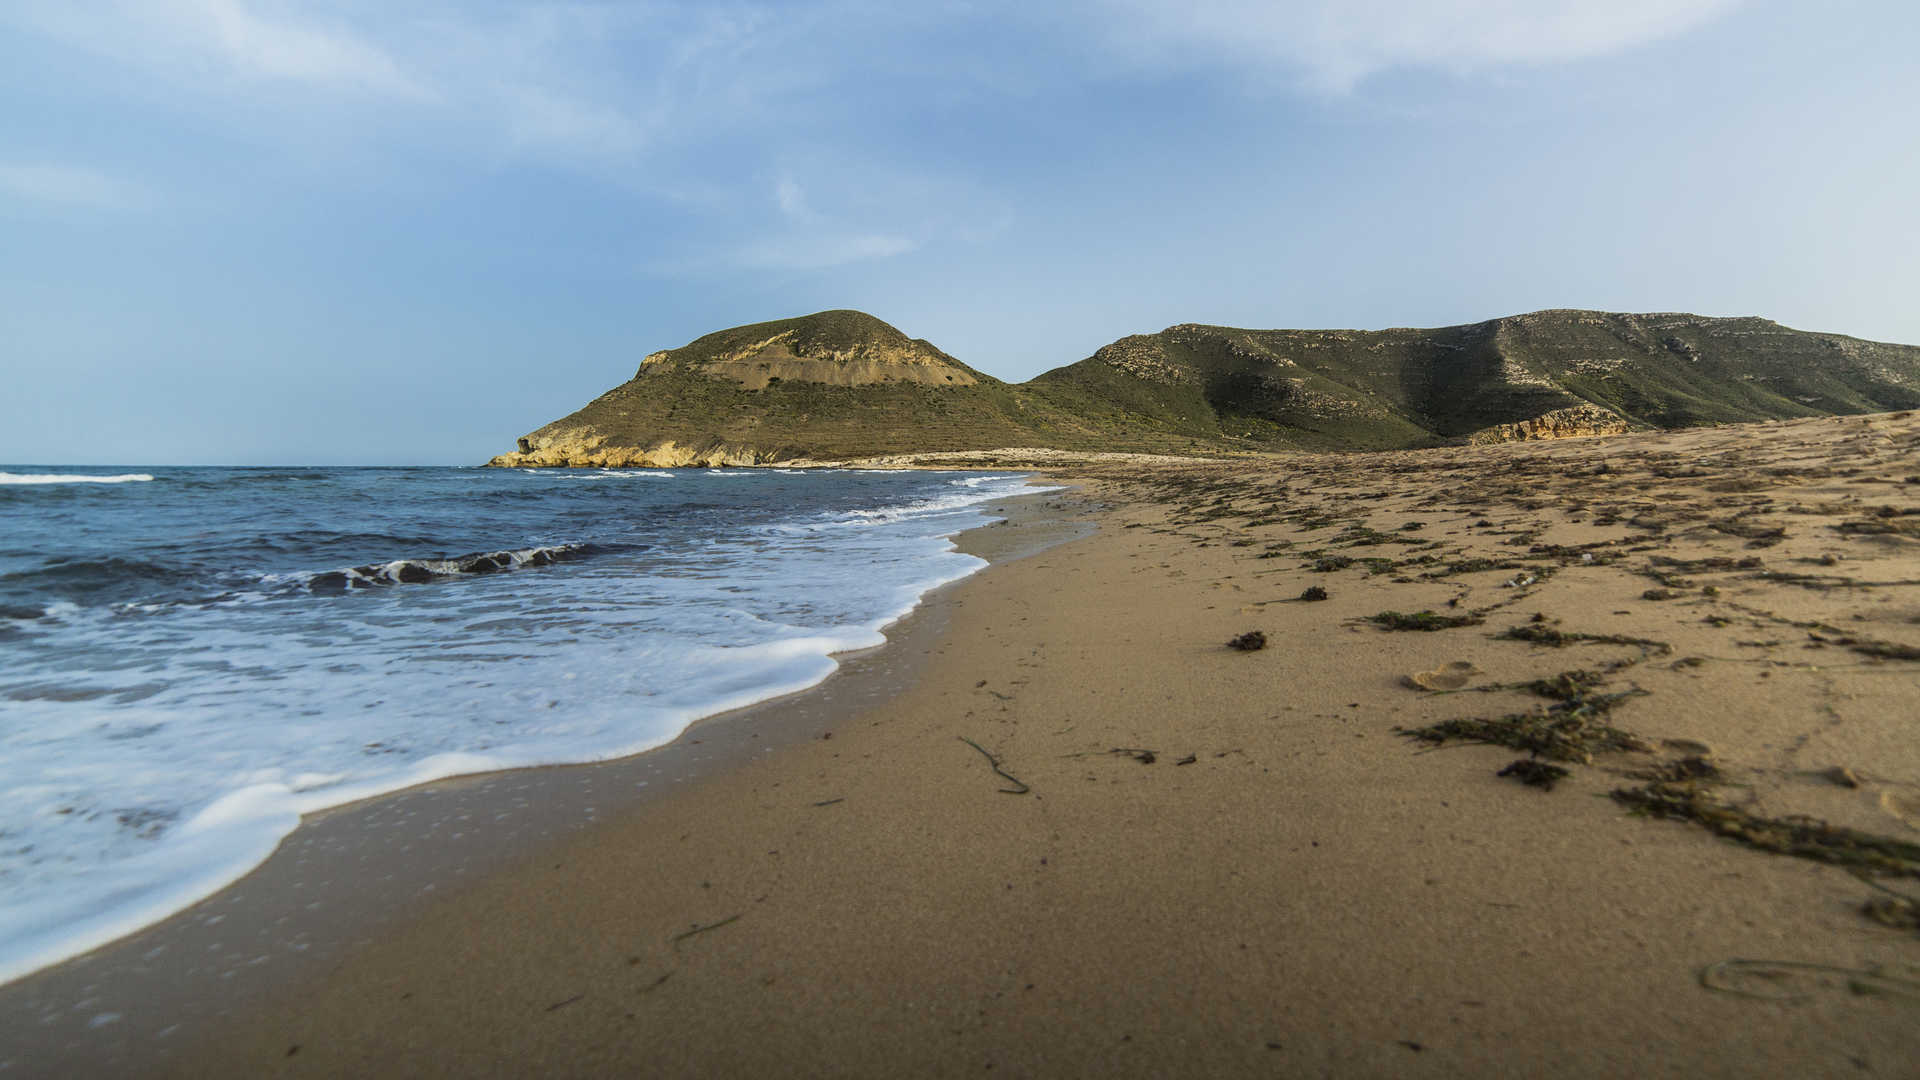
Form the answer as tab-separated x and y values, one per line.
395	687
73	478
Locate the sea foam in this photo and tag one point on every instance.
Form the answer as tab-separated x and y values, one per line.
73	478
154	748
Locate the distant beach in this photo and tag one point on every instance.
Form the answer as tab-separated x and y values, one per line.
1587	757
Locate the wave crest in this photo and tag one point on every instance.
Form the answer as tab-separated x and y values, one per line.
420	571
73	478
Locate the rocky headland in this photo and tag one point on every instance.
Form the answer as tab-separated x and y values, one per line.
841	386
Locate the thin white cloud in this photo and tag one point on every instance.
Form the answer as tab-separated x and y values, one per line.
246	38
1334	44
68	185
792	200
281	46
542	120
820	251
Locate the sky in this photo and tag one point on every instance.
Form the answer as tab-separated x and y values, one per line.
360	232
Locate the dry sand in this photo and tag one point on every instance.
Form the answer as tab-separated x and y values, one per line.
1227	862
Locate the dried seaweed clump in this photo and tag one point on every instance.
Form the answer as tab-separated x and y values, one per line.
1693	767
1568	685
1535	773
1570	731
1895	911
1881	650
1541	634
1474	566
1801	837
1251	641
1422	620
1313	592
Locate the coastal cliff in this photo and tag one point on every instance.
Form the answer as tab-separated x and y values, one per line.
843	385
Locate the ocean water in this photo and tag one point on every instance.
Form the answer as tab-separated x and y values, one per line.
191	658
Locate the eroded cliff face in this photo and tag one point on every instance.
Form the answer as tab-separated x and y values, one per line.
1568	423
787	357
582	448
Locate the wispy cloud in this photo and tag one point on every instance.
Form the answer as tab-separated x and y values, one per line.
823	250
1335	44
803	238
282	46
540	120
792	200
656	97
68	185
266	41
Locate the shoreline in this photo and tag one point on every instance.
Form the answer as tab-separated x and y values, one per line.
1213	861
295	914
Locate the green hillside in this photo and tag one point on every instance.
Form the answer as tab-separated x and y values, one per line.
1404	387
843	384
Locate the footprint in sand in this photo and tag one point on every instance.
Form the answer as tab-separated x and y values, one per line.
1906	807
1451	676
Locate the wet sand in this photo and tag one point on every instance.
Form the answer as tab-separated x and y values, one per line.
1087	837
352	873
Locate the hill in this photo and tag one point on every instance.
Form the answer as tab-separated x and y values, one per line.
833	385
1546	374
842	384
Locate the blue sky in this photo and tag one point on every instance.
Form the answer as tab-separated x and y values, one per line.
238	231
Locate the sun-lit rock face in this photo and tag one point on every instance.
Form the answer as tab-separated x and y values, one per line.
581	448
1569	423
836	348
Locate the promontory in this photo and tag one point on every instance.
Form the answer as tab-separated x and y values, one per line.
842	386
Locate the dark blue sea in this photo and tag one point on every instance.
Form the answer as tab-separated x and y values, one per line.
191	658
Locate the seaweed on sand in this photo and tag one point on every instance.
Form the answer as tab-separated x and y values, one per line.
1801	837
1895	909
1534	773
1880	650
1693	767
1573	730
1019	788
1541	634
1567	685
1793	981
1422	620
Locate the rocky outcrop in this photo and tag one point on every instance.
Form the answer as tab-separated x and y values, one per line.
764	363
1569	423
584	449
835	348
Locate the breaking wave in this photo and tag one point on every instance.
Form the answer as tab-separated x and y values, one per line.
73	478
186	671
420	571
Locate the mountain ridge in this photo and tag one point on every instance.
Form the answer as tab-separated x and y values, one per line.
843	384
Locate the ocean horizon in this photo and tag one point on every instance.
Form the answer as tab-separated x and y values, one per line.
196	656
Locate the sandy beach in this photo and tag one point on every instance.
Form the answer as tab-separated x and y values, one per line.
1084	836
